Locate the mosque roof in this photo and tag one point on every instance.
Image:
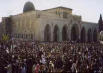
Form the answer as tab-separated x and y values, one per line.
58	7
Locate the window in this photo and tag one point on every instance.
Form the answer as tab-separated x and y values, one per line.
65	15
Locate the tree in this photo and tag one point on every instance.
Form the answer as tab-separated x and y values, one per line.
100	22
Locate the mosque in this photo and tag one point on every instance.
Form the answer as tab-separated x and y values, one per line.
55	24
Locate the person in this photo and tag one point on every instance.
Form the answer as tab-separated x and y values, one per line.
37	68
33	68
9	68
73	68
67	65
29	63
58	63
51	66
23	68
43	60
15	68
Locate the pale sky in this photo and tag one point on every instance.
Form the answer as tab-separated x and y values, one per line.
89	9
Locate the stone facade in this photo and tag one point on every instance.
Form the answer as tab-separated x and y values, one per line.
56	24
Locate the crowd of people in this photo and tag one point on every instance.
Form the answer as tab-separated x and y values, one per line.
50	57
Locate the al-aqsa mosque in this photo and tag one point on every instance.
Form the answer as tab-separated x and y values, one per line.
55	24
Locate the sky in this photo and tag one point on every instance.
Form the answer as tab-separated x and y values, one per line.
90	10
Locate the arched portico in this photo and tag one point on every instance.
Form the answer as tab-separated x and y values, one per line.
56	34
64	33
74	33
89	35
95	35
83	35
47	33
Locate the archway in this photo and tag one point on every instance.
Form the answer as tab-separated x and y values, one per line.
89	35
74	33
83	35
95	36
64	33
47	33
56	34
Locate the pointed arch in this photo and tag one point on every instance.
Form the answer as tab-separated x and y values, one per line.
89	34
83	35
47	33
74	33
95	35
56	34
64	33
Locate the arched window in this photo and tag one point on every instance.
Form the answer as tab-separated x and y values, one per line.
83	35
47	33
64	33
56	34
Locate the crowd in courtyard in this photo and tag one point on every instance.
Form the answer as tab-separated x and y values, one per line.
43	57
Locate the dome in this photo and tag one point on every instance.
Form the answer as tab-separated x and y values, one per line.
28	7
